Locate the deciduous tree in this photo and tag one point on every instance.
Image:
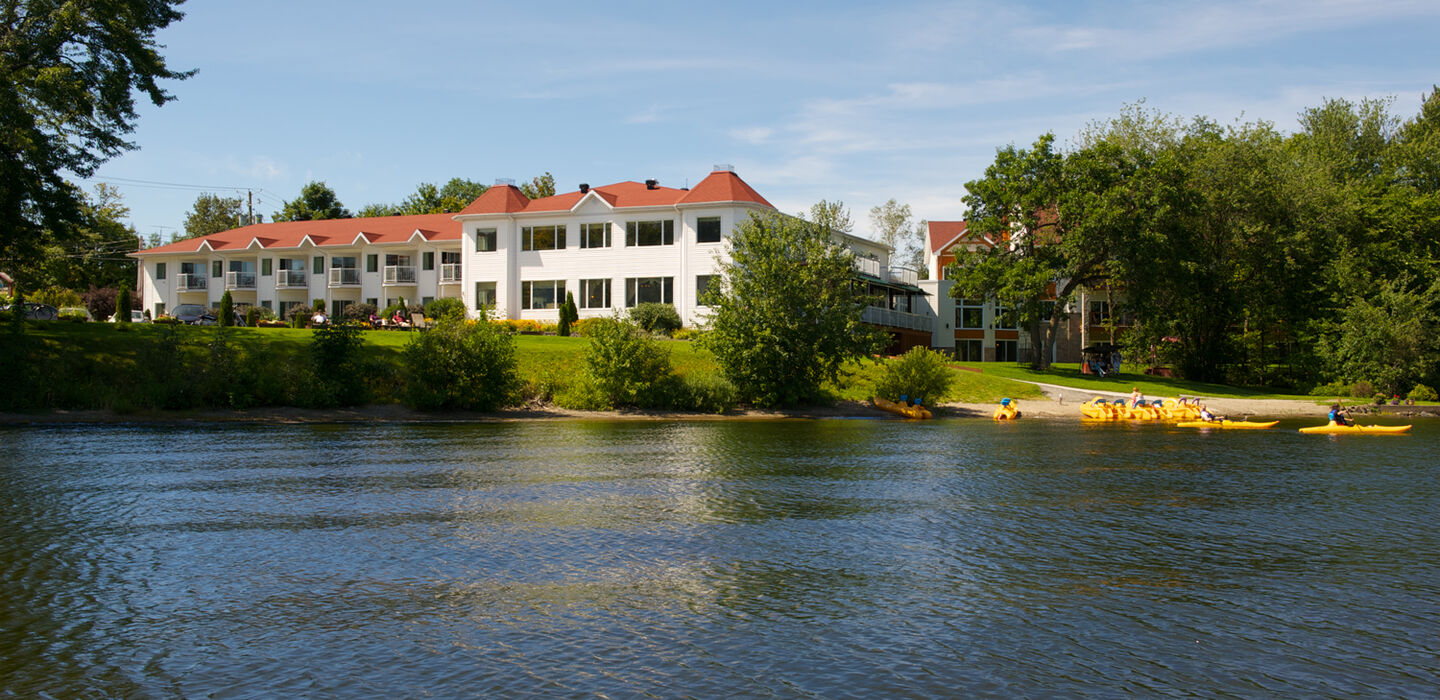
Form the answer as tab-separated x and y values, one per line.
316	201
212	213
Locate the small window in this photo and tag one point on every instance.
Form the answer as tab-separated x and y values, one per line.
267	266
639	233
702	287
485	240
644	290
542	238
265	304
319	265
159	307
159	271
425	301
484	295
372	263
542	294
217	268
595	235
373	301
595	294
427	261
707	229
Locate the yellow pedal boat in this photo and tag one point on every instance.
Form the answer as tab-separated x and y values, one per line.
1006	412
901	409
1333	428
1232	424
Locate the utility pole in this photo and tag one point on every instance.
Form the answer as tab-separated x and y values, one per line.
250	206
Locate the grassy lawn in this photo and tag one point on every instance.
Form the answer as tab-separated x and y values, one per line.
543	360
1068	375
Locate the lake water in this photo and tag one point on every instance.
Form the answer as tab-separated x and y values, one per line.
825	558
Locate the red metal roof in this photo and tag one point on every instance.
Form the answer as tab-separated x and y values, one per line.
329	232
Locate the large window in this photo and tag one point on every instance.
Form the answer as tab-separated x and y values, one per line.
484	295
159	271
427	261
542	237
542	294
969	351
702	287
372	263
707	229
595	235
1006	318
643	290
485	240
595	294
650	232
970	314
1007	351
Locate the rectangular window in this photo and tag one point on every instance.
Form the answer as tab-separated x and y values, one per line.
484	295
650	232
159	271
642	290
373	302
217	268
969	351
702	286
426	300
542	294
427	261
159	307
1006	318
707	229
485	240
319	265
285	309
595	235
970	314
267	266
542	237
372	263
265	304
1099	313
595	294
1007	351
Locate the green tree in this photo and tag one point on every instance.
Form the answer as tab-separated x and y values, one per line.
1391	339
123	305
373	210
569	314
227	310
834	216
69	74
458	193
540	186
625	365
92	251
785	313
316	201
461	365
212	213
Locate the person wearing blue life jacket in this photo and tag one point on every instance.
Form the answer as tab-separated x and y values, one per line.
1005	402
1338	416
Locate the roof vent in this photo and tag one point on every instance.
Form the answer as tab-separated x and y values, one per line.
584	187
505	181
651	184
723	168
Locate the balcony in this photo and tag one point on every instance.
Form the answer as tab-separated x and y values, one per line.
900	275
186	282
399	274
290	279
344	277
239	280
898	319
450	273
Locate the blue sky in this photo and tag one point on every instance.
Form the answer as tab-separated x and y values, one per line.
860	102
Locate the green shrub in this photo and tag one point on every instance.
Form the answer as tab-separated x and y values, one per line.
920	374
338	379
226	315
710	393
73	315
1362	389
582	327
568	315
1422	393
461	365
625	365
445	307
299	315
687	334
1380	399
57	297
656	318
357	312
1331	389
122	305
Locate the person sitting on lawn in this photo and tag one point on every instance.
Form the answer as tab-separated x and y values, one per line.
399	321
319	319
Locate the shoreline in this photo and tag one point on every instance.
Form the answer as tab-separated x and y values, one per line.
1049	410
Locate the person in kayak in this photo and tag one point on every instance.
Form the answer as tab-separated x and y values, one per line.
1338	416
1206	415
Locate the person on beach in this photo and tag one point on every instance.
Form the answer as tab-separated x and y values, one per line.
1338	416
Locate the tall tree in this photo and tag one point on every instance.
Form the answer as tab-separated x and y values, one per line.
785	314
212	213
69	73
93	254
540	186
892	222
316	201
458	193
834	216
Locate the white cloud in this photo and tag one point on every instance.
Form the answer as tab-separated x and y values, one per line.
755	135
650	115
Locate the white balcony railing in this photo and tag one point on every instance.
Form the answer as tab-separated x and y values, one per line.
289	279
399	274
901	275
449	272
185	282
898	319
344	277
239	280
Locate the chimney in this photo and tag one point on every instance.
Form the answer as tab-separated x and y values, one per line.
652	184
584	187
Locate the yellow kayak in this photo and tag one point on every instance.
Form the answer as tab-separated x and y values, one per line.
1241	424
1334	428
1006	413
901	409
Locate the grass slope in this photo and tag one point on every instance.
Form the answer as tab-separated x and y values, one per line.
1068	375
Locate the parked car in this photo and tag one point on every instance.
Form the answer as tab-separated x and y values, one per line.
193	314
136	316
38	312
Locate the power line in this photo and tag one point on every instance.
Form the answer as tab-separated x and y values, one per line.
176	185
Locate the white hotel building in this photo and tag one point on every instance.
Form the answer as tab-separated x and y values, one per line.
611	247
